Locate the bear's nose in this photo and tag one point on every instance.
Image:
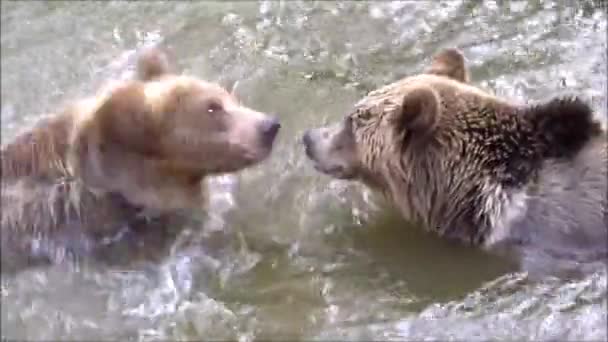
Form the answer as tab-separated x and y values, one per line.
270	128
306	140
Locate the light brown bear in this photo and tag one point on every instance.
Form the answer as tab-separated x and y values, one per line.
144	144
526	178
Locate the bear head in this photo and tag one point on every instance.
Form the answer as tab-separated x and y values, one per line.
155	137
447	153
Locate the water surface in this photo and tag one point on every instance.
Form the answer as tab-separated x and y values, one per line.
288	253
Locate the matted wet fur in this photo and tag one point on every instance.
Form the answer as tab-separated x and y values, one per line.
139	147
529	180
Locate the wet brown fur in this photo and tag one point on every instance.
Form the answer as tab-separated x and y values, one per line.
145	144
469	165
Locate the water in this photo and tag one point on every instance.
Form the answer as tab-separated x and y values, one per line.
287	253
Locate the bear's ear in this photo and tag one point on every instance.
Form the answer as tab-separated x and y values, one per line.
419	112
152	63
449	63
564	125
126	118
119	133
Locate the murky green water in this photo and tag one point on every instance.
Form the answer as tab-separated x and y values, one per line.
287	253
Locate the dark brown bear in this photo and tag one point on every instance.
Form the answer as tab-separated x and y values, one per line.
474	167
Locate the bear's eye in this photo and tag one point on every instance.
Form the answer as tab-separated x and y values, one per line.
363	115
214	107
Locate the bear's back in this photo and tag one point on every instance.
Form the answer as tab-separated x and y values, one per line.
565	217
